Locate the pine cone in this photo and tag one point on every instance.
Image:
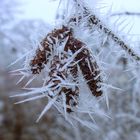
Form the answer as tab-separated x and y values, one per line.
59	68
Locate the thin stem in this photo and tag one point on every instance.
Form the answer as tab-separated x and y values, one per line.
126	14
94	20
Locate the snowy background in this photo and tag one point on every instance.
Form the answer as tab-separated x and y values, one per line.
21	23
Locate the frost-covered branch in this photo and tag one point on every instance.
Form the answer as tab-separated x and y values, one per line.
126	14
93	20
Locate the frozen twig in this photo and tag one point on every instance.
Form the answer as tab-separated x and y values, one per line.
126	14
92	19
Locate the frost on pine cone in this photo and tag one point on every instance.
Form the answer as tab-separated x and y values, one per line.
64	55
79	62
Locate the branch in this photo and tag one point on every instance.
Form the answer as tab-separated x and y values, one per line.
126	14
94	20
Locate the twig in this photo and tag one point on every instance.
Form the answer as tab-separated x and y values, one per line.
126	14
94	20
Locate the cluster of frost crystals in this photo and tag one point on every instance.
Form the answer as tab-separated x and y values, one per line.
118	69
